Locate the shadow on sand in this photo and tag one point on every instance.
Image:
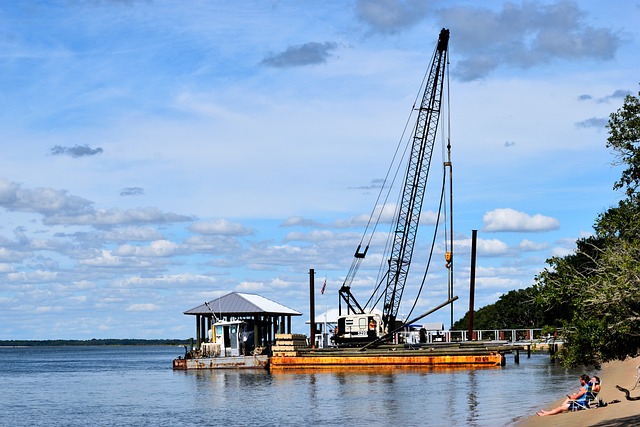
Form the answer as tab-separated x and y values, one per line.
633	420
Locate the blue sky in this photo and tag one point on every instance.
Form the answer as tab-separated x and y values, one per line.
159	154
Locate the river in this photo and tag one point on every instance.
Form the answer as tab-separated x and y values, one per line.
135	385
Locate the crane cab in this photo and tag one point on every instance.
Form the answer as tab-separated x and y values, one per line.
358	328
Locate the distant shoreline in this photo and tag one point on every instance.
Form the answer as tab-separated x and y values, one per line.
91	342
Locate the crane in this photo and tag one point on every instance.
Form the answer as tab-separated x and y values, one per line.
407	217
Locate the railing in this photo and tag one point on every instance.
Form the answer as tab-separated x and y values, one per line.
512	336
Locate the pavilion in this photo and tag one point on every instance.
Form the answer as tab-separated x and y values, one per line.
266	316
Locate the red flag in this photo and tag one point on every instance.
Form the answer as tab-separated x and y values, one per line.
323	286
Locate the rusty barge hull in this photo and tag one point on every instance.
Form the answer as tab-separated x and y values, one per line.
289	355
402	359
227	362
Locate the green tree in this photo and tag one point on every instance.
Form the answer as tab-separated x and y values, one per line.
514	310
624	137
594	293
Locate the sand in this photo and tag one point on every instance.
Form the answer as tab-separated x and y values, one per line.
625	413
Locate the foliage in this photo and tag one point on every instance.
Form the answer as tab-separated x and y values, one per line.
592	294
624	138
595	292
514	310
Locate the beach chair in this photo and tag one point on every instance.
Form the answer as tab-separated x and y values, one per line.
589	400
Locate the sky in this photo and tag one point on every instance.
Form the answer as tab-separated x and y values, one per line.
159	154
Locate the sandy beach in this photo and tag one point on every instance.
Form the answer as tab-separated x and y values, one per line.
625	413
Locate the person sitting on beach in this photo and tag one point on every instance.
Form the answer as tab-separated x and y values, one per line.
593	388
595	385
575	401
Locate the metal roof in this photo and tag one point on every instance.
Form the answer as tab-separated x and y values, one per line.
241	304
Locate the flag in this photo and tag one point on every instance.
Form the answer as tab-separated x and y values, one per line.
323	286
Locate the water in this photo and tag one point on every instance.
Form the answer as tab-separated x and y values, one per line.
118	386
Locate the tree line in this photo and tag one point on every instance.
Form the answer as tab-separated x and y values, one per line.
592	294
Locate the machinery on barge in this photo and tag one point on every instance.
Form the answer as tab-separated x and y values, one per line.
359	325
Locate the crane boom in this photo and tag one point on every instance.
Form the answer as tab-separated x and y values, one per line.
360	325
415	183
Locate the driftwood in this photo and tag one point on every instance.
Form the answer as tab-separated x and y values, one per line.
626	392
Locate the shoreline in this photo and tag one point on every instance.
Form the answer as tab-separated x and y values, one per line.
624	413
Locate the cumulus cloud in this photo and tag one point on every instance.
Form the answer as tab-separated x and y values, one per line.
311	53
166	281
49	309
313	236
76	151
159	248
14	197
137	234
143	307
524	35
250	287
492	247
511	220
485	247
391	16
221	227
60	208
37	276
528	245
105	217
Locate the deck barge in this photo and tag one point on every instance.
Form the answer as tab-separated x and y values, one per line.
289	356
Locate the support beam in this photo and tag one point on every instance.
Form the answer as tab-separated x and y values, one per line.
312	309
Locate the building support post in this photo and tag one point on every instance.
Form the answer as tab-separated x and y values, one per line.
197	330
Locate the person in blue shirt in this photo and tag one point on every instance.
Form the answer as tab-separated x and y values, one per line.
575	401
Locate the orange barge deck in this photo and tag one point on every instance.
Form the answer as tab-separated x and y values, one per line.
411	361
460	355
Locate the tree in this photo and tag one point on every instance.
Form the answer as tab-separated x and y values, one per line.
513	310
595	292
624	138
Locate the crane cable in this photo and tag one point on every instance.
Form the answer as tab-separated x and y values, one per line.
383	269
448	245
360	256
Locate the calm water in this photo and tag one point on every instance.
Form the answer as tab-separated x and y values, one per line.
124	386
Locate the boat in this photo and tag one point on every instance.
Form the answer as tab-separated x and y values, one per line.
231	347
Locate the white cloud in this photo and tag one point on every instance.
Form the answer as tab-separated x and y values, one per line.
159	248
528	245
143	307
221	227
506	219
140	234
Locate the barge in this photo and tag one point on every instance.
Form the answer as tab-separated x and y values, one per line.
287	355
